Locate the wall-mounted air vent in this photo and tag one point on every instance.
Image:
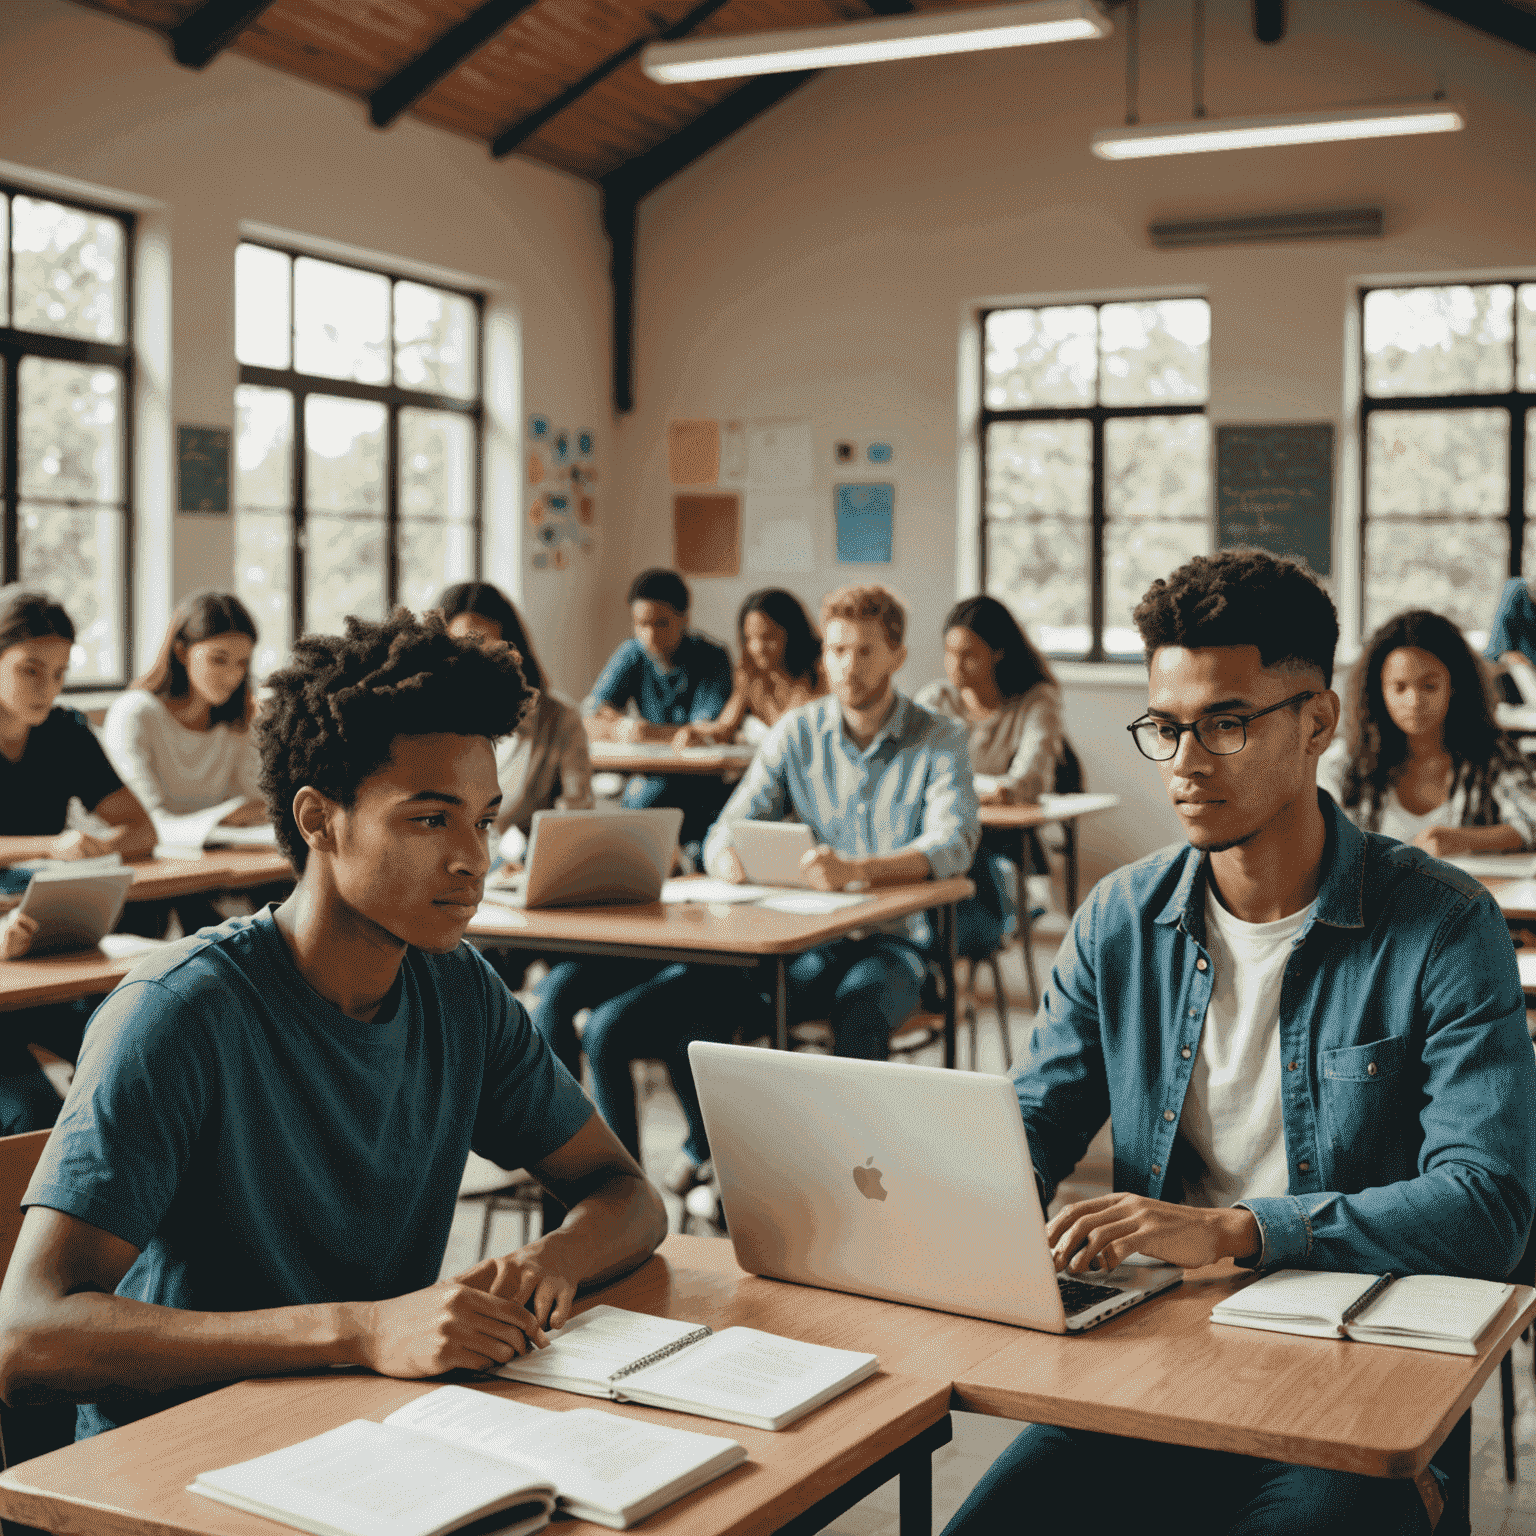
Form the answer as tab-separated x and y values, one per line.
1325	224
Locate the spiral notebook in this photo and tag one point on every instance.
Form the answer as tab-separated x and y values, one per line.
739	1374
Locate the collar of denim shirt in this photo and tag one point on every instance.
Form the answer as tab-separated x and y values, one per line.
892	728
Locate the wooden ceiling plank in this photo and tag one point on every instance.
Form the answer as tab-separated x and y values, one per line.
508	140
406	88
211	28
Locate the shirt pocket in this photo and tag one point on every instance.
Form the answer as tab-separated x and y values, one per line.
1361	1098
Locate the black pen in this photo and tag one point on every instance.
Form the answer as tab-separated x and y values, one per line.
1356	1307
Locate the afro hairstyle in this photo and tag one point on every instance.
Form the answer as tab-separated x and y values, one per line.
331	717
1243	597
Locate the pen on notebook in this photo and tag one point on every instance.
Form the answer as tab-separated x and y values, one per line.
1356	1307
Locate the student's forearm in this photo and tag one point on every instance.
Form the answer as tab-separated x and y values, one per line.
13	850
606	1234
134	840
893	868
1490	839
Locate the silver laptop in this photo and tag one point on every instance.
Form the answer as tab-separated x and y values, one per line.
74	911
906	1183
593	858
770	851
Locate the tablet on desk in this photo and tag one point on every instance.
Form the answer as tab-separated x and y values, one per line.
74	911
770	851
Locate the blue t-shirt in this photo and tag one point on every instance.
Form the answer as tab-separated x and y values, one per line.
1514	625
263	1149
695	687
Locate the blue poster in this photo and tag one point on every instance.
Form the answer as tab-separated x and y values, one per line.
864	523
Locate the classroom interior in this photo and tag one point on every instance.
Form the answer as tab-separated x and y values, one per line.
825	266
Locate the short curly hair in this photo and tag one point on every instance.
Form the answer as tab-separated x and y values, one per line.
330	718
856	603
1243	597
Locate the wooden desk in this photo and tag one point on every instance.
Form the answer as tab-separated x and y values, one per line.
657	757
34	980
1165	1372
743	935
219	869
1064	810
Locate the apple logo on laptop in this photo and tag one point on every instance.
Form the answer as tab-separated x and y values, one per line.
867	1177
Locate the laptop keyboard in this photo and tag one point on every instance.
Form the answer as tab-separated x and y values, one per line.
1078	1295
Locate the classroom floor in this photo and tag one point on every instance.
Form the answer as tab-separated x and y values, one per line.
1498	1508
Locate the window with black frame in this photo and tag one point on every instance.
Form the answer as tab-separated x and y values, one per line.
1448	448
357	462
66	410
1095	463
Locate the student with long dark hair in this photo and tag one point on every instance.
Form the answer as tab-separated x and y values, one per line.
1422	759
180	735
543	765
780	668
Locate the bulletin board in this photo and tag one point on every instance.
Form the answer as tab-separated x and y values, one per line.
1274	490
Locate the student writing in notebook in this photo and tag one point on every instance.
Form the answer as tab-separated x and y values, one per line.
257	1166
1422	759
1310	1040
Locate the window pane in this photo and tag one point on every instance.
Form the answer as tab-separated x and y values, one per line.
262	320
1039	568
431	556
344	462
1155	353
1428	463
1457	569
263	561
1157	466
1041	357
1525	321
5	266
76	555
343	572
1039	466
1438	341
434	340
71	430
263	447
341	324
436	464
1136	553
70	276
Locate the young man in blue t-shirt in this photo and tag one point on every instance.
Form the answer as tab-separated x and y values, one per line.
255	1171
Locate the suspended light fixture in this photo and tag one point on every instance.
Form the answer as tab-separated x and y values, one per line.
875	41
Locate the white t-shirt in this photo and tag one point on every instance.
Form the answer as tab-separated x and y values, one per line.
1232	1112
173	770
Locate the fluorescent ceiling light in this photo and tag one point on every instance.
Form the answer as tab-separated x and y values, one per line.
1206	134
872	42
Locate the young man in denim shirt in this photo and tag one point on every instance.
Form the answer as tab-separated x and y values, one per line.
1311	1042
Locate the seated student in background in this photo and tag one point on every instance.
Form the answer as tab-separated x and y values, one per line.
257	1167
1310	1040
780	669
675	677
48	756
1512	639
885	787
1423	760
543	765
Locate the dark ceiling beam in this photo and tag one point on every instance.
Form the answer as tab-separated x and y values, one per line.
525	128
1498	18
211	28
404	89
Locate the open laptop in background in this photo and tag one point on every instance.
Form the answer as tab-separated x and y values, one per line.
593	858
906	1183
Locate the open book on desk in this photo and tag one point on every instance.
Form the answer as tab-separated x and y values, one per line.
738	1374
460	1460
185	837
1439	1312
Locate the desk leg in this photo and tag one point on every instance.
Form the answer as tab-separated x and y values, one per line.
912	1463
1069	850
947	959
915	1496
780	1005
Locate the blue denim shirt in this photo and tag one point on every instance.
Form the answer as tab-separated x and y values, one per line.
909	789
1407	1079
695	687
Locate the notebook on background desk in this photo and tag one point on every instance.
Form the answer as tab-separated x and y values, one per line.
887	1179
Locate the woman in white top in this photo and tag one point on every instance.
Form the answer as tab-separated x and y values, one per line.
1422	759
181	735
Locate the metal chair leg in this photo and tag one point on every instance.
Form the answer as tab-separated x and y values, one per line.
1000	999
489	1209
1507	1392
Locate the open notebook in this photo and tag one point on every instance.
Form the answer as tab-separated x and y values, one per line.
460	1460
738	1374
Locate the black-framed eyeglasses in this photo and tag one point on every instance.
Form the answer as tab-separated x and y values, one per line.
1220	735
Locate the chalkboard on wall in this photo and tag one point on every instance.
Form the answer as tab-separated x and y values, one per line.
1274	490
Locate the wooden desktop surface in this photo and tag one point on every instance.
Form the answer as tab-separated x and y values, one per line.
37	979
659	758
1165	1372
1054	808
219	869
742	929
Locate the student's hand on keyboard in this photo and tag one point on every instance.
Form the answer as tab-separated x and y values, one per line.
450	1326
16	931
531	1280
1102	1233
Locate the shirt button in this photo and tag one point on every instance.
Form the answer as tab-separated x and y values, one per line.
1371	1070
1184	1052
1295	1066
1199	965
1167	1114
1191	1013
1157	1167
1304	1167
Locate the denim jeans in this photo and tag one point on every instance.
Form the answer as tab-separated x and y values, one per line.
1054	1479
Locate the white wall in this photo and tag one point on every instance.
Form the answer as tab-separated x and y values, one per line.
824	263
86	97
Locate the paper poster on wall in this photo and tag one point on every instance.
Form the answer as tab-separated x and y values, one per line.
733	453
779	535
693	452
706	534
779	455
865	517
